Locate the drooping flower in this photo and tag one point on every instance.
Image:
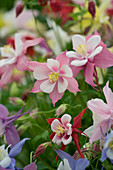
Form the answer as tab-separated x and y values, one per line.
7	127
101	113
63	131
54	77
70	163
90	53
7	160
14	58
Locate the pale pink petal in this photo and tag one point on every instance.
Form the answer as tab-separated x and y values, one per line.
41	72
22	63
66	71
108	95
62	84
36	87
62	58
33	64
93	42
89	131
97	119
4	62
53	65
72	54
18	44
78	40
98	107
72	85
89	70
6	76
55	124
47	86
95	52
30	43
5	53
66	141
69	132
57	139
55	96
76	69
104	59
65	119
79	62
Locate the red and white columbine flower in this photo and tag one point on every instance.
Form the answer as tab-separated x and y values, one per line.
14	57
62	130
54	77
90	53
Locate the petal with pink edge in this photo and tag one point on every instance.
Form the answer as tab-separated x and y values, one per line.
36	87
72	85
65	119
66	71
108	95
47	86
89	70
55	96
98	107
57	139
104	59
72	54
22	63
95	52
62	58
30	43
33	64
93	42
62	84
18	44
41	72
78	40
66	141
53	65
79	62
69	132
55	124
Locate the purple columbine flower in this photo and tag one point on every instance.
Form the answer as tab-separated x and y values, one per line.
70	163
7	127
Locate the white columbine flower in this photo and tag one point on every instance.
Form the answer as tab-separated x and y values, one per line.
5	160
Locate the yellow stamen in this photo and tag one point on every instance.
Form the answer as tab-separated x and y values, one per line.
53	77
111	145
1	154
81	50
8	49
60	130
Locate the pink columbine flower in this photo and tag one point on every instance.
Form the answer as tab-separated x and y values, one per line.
80	2
90	52
102	112
14	57
62	130
54	77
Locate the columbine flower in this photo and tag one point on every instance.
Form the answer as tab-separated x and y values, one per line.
107	151
7	127
101	113
54	77
70	163
90	52
63	131
7	160
14	58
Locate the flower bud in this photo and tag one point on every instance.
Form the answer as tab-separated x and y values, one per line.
19	9
41	149
61	109
91	8
16	101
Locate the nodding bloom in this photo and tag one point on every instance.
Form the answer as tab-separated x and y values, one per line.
54	77
70	163
107	151
101	113
14	57
7	127
63	131
90	52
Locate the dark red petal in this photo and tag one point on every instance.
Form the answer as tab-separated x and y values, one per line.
51	120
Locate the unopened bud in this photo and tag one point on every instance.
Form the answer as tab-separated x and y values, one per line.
61	109
23	128
41	149
16	101
19	9
91	8
42	2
